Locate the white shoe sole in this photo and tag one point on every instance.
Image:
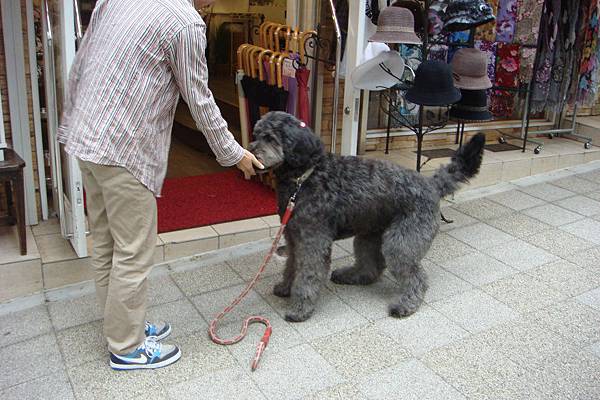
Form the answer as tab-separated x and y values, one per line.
127	367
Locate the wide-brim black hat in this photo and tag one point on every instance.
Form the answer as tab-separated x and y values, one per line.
471	107
462	15
433	85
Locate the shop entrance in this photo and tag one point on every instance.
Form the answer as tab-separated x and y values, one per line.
194	178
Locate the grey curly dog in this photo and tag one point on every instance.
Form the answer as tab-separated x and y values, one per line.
392	212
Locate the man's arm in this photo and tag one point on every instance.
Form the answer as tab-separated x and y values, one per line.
188	62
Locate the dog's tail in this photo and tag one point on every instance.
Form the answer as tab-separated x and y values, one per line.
465	165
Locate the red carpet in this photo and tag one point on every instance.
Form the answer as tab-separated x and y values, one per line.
195	201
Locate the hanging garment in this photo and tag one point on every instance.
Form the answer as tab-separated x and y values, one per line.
288	76
588	70
507	68
560	80
506	21
543	69
578	48
303	110
243	106
250	86
488	31
526	61
529	14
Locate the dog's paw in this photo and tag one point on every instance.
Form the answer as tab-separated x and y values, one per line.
293	316
349	276
299	311
404	308
282	289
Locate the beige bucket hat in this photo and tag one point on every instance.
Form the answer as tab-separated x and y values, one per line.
396	25
470	69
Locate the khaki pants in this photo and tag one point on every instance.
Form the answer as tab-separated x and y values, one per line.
122	218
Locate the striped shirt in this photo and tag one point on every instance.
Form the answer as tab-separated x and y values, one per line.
134	61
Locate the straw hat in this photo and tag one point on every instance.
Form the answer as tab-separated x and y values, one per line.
471	107
462	15
379	73
433	85
470	69
396	25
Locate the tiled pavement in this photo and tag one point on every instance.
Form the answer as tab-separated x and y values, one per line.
513	312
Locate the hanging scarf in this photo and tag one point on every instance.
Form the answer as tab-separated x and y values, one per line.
543	69
564	55
588	70
528	21
506	21
507	68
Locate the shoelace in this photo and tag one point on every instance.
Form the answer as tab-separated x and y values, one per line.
152	347
151	329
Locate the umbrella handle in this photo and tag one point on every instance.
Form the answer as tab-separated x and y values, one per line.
261	69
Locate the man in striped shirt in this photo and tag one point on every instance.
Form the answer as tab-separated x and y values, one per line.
135	60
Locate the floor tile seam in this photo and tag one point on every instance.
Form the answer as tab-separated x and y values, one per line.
63	365
344	380
211	291
191	302
434	305
554	203
514	211
557	228
28	381
479	286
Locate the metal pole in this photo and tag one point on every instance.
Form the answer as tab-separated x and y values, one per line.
420	138
336	88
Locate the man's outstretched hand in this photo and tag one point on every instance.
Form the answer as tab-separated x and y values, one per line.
247	164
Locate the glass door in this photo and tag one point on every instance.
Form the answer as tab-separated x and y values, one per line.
61	29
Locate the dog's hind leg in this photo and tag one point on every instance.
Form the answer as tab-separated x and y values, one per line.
312	261
369	262
405	243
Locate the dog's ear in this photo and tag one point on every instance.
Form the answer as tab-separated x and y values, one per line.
303	148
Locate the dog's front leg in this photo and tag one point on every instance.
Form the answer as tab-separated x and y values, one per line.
312	258
284	287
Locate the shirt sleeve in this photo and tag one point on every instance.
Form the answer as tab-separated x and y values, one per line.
188	62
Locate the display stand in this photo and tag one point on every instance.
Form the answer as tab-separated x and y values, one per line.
394	94
393	109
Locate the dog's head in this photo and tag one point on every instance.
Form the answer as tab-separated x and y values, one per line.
283	140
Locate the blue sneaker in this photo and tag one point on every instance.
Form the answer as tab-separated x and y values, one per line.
151	354
160	330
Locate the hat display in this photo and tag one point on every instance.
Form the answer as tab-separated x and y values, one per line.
471	107
433	85
462	15
396	25
470	69
381	72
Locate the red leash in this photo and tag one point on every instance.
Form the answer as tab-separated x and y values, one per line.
264	341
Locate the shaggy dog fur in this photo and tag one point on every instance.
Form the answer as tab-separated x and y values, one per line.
392	212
